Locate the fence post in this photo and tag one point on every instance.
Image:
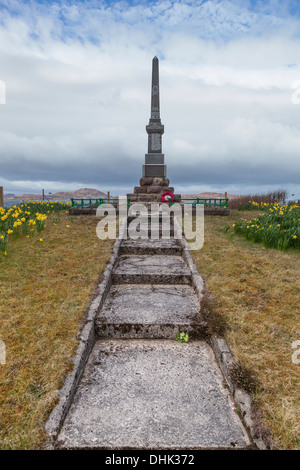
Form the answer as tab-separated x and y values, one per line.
1	197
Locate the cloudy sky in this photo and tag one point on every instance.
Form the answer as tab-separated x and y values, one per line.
77	78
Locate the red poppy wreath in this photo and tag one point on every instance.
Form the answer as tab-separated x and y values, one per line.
166	196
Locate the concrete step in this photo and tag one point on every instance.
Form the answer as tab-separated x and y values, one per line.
151	269
160	231
147	216
153	394
150	311
151	247
148	222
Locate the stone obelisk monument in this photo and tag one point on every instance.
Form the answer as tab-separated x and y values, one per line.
154	181
154	159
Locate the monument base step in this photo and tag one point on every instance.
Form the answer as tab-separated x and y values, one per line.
152	189
149	197
91	210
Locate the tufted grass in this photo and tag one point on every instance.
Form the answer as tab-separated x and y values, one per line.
45	289
256	292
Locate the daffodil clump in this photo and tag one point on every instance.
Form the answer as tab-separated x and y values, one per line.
278	226
252	206
261	206
26	219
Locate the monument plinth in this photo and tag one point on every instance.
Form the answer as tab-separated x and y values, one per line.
154	181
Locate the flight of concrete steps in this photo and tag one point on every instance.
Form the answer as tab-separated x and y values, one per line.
142	389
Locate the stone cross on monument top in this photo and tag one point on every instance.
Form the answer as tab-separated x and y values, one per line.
154	181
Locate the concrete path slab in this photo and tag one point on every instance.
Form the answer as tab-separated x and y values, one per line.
151	247
149	311
153	269
161	232
152	394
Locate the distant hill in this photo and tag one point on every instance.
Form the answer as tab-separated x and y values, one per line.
82	193
79	193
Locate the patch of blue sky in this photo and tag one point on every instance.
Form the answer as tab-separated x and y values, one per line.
216	20
280	8
7	8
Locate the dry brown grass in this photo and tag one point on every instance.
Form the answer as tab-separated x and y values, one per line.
256	291
45	289
270	198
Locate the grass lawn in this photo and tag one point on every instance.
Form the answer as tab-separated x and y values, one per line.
256	291
45	289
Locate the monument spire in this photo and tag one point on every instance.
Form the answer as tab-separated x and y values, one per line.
154	182
155	114
154	159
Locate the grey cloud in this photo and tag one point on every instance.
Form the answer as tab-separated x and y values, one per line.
77	108
232	173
